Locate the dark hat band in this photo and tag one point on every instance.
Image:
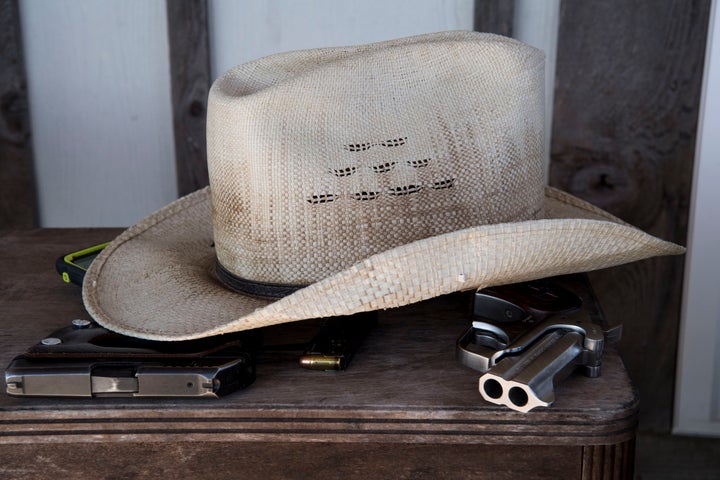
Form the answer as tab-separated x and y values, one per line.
251	287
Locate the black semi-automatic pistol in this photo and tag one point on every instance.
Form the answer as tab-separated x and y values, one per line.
86	360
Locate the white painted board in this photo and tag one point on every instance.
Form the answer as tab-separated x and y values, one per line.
697	391
241	31
100	109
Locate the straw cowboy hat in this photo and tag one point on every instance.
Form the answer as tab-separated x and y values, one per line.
359	178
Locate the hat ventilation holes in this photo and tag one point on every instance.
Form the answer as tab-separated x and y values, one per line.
343	172
383	167
323	198
361	147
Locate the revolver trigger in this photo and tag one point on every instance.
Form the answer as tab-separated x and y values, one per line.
489	335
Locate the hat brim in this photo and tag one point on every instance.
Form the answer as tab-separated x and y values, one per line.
156	280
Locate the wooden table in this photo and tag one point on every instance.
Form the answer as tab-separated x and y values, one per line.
404	409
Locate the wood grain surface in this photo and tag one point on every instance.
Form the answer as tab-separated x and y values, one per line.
403	393
276	460
18	203
405	384
626	105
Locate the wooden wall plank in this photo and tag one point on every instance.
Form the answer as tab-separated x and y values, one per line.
190	78
627	95
494	16
18	203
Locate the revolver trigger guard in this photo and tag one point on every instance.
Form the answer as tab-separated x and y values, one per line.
478	344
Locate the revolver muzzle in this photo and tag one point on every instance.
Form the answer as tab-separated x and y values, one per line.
527	381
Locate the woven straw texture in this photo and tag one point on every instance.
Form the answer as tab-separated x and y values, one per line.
318	159
380	175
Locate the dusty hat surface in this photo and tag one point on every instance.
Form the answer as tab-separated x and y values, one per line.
358	178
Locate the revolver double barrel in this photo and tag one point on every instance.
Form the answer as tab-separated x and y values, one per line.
525	338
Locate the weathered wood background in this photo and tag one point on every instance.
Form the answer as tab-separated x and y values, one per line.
190	76
494	16
627	97
18	205
626	105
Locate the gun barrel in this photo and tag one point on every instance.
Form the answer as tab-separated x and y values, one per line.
526	381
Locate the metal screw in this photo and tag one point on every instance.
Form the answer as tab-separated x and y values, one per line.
80	323
51	341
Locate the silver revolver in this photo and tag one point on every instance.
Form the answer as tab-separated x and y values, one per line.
527	337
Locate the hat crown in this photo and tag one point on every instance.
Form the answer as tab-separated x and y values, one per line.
321	158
